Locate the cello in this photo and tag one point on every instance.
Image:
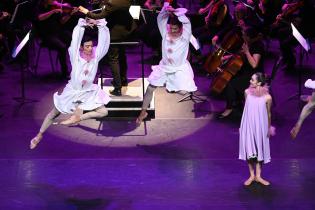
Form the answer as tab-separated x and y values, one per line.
230	67
232	41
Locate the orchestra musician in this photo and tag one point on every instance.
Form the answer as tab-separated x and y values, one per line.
50	18
252	52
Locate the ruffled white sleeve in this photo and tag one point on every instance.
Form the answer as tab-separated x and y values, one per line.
103	39
162	19
180	13
77	34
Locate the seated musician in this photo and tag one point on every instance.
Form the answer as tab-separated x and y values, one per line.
49	22
216	17
252	53
301	14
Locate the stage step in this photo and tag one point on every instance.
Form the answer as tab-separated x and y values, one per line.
130	103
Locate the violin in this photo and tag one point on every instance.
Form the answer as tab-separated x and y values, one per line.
65	7
292	8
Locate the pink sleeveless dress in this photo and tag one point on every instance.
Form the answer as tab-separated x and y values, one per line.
254	142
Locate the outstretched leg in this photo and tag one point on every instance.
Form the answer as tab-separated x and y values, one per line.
146	102
97	113
49	119
307	110
77	117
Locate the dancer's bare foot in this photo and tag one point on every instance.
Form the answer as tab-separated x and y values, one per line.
262	181
72	120
294	131
141	117
249	181
35	141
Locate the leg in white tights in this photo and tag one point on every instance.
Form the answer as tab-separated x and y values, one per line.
49	119
146	102
77	117
97	113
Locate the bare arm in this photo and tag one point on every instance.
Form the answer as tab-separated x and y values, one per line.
205	9
268	104
253	59
46	15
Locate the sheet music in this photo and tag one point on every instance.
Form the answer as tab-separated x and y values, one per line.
134	11
21	45
300	38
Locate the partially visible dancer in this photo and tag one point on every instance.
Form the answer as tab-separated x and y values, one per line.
256	128
306	111
174	69
81	93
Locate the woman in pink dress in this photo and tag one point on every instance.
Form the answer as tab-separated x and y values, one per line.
255	128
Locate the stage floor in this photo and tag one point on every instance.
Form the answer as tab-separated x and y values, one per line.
185	158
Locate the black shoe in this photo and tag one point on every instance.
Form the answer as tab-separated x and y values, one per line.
124	83
115	92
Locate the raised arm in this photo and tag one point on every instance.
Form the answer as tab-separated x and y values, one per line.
180	13
77	35
103	39
162	19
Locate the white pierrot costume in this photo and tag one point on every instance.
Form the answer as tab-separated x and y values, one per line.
80	91
174	70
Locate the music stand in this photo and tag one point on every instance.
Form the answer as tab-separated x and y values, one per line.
190	96
304	48
18	20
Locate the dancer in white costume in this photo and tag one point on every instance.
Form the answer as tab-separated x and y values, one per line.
174	70
81	93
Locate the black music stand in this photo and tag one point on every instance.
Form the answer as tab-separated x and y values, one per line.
18	20
191	96
22	99
304	49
